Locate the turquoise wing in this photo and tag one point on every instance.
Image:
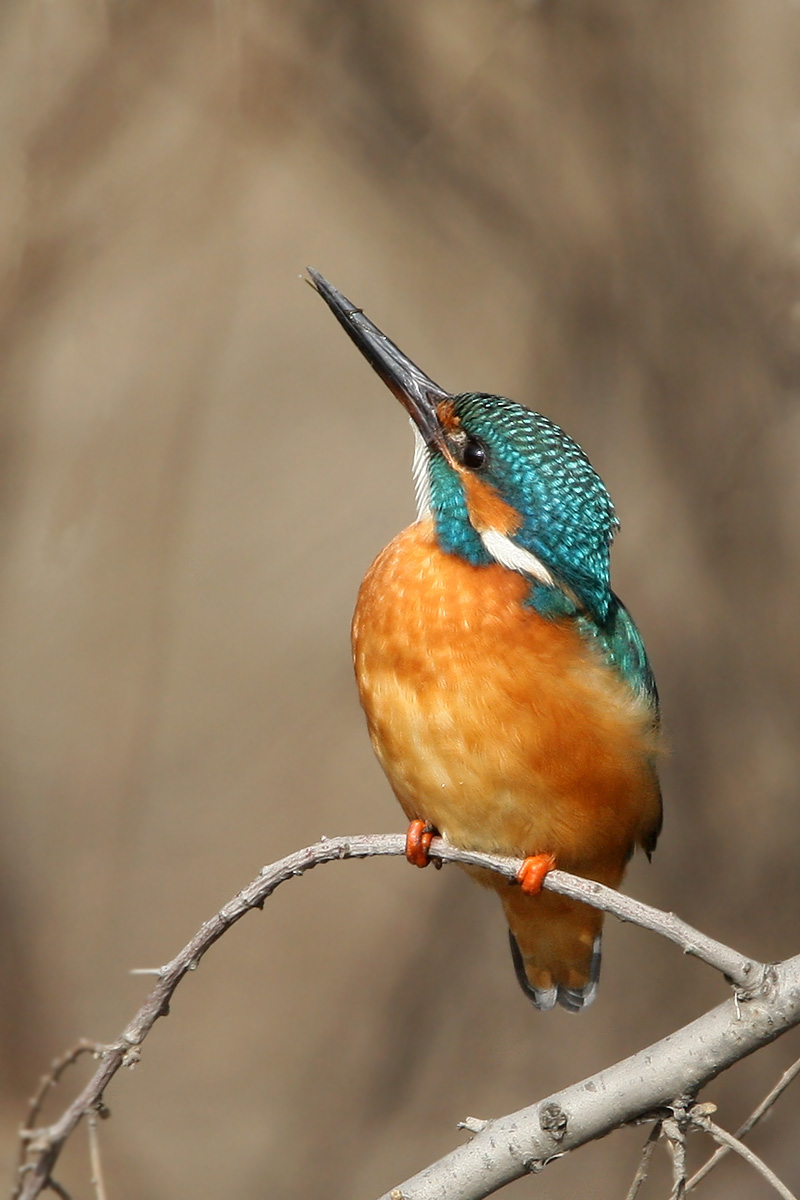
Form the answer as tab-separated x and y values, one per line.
623	648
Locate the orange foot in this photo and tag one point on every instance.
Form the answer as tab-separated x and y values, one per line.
532	873
418	842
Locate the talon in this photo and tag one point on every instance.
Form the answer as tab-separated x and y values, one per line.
418	842
531	874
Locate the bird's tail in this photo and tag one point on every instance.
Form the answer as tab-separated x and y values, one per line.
555	945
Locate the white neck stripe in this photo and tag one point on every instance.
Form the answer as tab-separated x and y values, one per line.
508	554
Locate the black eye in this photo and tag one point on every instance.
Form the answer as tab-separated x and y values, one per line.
474	454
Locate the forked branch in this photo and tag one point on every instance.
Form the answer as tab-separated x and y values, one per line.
648	1084
763	995
758	1112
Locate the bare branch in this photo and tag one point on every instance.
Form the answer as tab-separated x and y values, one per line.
96	1159
58	1189
631	1090
741	971
644	1161
44	1145
675	1132
732	1143
743	1130
47	1082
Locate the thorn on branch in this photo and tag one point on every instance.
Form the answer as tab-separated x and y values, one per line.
473	1124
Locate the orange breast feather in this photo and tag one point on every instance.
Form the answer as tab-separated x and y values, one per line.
501	727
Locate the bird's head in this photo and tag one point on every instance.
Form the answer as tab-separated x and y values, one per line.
502	483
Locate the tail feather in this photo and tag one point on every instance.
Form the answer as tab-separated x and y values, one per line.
571	998
555	947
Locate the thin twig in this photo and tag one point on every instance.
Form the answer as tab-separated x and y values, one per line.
53	1186
743	1130
644	1161
96	1158
727	1139
47	1082
675	1133
744	973
45	1145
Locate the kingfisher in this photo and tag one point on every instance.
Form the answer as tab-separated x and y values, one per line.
507	691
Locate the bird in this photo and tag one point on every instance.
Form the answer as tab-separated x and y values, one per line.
507	691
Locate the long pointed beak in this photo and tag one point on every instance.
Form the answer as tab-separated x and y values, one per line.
418	394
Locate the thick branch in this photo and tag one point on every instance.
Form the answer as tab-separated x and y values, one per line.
44	1145
645	1084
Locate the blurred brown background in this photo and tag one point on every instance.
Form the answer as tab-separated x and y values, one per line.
590	205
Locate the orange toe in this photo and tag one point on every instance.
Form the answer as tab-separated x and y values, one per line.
531	874
418	842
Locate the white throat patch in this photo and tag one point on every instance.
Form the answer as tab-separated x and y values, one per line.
421	472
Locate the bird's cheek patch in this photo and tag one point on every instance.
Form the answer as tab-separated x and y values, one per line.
487	511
